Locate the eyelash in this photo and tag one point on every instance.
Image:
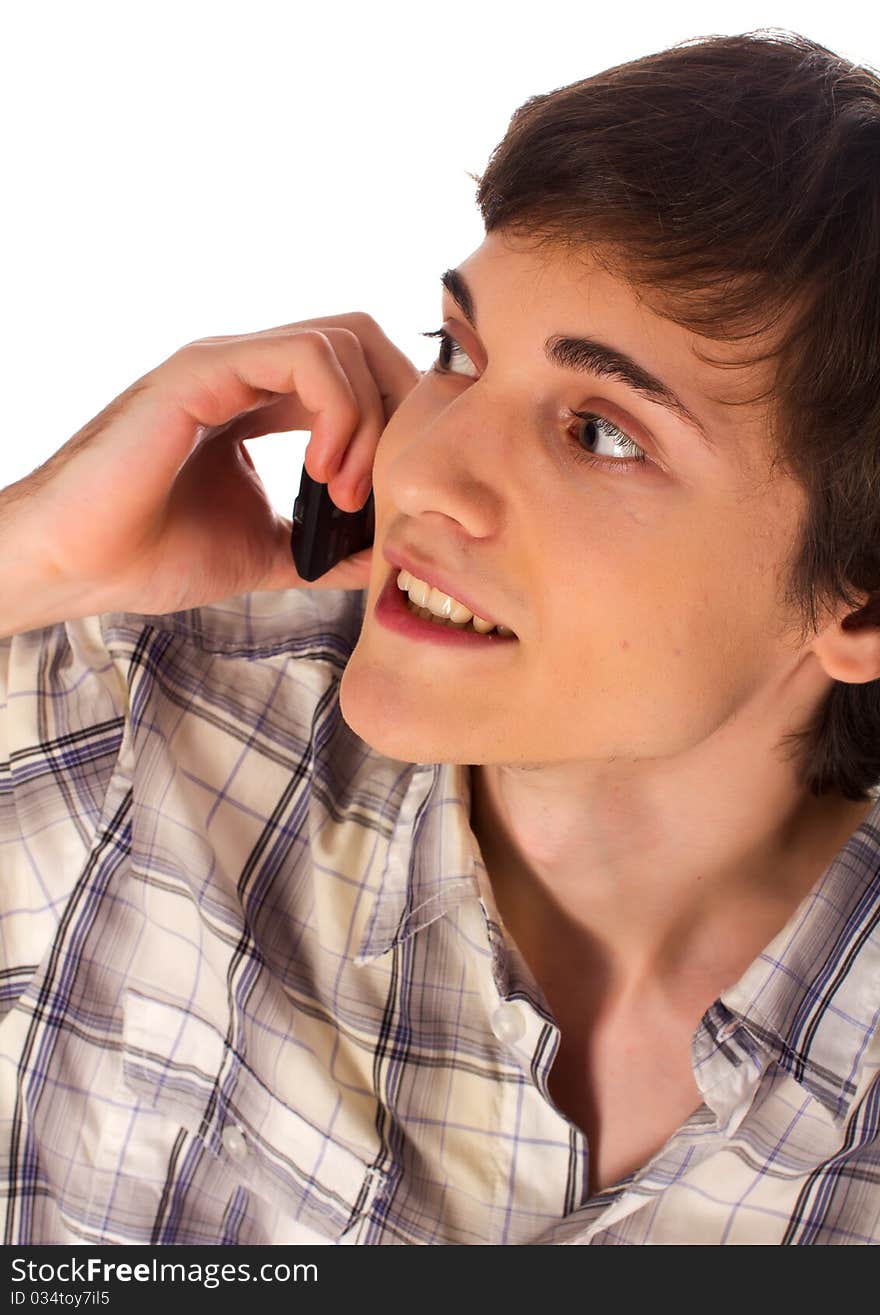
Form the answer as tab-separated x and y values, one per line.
636	455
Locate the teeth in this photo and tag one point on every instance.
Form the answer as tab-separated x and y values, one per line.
441	605
431	616
427	602
426	615
449	608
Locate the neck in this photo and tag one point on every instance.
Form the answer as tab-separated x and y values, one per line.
656	875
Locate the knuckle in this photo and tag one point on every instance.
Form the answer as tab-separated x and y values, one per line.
194	350
349	338
318	340
361	317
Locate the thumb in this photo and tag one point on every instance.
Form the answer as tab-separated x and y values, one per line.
351	573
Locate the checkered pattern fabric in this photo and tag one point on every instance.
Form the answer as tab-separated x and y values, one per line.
255	988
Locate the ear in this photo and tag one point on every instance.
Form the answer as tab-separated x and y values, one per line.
849	649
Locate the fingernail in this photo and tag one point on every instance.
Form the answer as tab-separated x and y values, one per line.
363	491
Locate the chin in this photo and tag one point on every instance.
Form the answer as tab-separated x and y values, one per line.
371	705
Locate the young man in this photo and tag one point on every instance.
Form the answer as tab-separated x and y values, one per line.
329	921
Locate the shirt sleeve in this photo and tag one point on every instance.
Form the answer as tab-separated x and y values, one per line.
63	713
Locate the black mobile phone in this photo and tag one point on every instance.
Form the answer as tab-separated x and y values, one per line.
322	534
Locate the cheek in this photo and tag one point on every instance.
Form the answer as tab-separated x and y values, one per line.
637	646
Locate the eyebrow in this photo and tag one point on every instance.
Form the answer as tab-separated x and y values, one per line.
590	357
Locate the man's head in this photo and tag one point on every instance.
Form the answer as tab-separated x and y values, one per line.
712	213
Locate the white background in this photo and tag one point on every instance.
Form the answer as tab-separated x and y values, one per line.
187	168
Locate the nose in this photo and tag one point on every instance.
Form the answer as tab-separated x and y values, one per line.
446	466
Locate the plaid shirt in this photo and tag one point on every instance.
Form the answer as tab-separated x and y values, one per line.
255	988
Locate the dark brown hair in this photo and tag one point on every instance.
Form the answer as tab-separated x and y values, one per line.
735	182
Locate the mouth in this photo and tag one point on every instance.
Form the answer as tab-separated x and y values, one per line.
395	611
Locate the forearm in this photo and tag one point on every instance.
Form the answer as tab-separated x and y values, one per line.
33	593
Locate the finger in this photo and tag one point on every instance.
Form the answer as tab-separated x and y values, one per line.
342	460
280	414
214	383
346	463
391	368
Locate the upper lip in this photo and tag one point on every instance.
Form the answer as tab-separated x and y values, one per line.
433	576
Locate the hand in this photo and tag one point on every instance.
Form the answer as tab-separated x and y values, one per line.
155	504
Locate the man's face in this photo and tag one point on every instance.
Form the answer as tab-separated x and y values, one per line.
645	600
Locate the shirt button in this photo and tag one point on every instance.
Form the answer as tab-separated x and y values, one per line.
235	1144
508	1023
725	1032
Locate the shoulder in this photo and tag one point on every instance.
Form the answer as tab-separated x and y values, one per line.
302	622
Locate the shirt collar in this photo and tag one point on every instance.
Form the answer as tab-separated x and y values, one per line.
810	999
430	864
